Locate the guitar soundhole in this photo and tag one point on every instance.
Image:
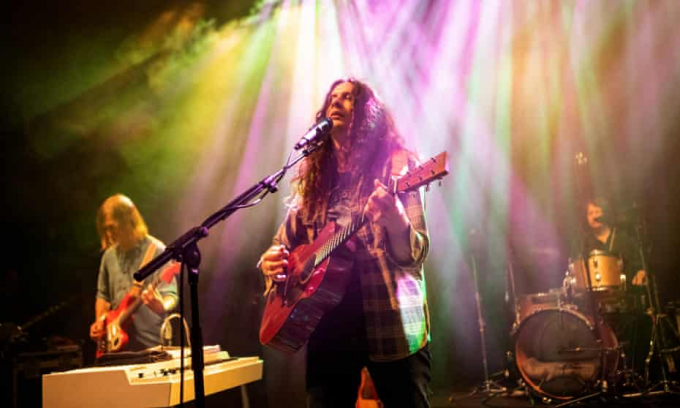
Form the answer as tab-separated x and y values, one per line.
306	273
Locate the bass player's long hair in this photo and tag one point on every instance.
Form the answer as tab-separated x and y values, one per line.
124	211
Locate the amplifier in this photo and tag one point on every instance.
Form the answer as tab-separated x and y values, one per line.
28	368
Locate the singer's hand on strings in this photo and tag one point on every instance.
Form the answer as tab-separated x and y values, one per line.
274	262
97	329
384	209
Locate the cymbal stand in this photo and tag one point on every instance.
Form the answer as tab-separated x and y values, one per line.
515	303
657	341
522	388
581	161
604	387
489	387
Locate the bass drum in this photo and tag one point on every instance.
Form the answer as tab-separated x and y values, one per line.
558	355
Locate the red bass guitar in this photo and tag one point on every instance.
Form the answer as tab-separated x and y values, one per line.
117	322
315	282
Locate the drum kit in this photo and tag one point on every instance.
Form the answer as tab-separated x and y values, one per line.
595	336
575	342
562	348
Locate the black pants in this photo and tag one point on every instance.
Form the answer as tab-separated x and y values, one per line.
338	350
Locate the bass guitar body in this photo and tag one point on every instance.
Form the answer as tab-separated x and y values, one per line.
294	308
116	337
117	322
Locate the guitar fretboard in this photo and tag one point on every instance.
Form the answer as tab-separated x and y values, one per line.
138	300
433	169
338	239
346	232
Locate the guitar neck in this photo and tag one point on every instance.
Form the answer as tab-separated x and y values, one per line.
338	239
433	169
132	308
346	232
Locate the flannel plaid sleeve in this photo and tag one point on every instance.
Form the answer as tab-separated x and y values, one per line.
418	236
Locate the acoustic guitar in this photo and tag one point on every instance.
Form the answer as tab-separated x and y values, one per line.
316	281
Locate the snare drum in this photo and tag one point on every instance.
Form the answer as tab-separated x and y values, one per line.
605	272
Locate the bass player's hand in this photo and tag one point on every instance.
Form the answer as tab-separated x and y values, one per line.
153	300
97	329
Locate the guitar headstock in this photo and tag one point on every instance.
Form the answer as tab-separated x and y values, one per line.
433	169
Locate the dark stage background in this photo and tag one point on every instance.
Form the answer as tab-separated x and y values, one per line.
69	142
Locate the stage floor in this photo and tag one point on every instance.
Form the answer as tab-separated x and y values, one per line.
461	398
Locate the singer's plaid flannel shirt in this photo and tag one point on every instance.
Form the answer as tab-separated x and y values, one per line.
394	298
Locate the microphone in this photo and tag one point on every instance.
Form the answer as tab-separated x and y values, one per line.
316	133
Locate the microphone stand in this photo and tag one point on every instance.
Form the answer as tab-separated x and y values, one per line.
185	250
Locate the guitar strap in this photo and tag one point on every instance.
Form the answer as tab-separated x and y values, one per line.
148	256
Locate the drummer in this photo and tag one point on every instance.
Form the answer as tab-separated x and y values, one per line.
602	234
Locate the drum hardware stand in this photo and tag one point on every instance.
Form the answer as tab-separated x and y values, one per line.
581	160
511	280
628	374
604	385
590	295
522	389
656	342
656	345
489	387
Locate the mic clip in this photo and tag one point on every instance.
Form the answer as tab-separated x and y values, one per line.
316	135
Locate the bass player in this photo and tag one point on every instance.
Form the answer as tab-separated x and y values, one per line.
127	246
